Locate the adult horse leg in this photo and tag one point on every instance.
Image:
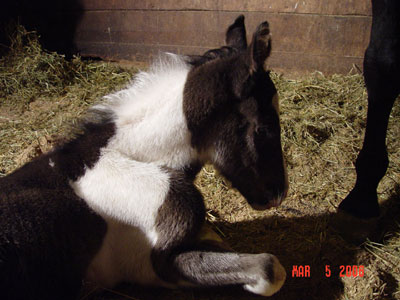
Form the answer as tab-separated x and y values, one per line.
372	161
358	212
357	217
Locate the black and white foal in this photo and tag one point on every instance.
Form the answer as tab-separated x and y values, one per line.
117	203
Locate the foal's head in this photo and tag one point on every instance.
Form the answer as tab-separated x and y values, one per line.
232	111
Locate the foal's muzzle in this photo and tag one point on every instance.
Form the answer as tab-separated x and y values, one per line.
269	200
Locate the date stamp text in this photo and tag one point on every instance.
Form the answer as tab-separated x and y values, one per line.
344	271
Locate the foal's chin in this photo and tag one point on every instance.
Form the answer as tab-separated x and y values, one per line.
267	205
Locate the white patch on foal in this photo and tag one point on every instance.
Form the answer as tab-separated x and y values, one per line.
51	163
266	287
125	190
151	126
127	185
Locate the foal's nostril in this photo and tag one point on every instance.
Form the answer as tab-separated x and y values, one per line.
269	199
276	196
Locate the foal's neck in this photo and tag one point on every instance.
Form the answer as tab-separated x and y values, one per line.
150	124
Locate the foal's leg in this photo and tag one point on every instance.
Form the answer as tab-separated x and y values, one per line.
181	259
258	273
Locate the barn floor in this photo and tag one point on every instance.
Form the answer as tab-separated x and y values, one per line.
323	120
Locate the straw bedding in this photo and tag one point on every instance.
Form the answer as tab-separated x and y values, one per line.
42	95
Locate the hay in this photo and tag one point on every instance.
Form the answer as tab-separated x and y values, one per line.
323	121
42	94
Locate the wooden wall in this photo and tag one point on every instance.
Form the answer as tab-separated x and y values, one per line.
325	35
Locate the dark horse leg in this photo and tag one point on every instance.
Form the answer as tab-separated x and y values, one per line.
372	161
382	78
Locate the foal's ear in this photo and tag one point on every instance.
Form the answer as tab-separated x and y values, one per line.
260	47
236	34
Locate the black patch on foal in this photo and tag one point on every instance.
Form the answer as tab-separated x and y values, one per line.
48	234
70	161
48	238
180	255
83	151
228	107
236	41
178	222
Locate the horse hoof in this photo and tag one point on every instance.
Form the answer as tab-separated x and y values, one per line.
355	230
271	276
361	203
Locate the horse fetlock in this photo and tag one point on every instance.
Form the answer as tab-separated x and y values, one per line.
269	275
362	201
371	165
356	229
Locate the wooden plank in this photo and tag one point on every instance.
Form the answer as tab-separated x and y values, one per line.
306	62
284	62
349	7
133	52
314	34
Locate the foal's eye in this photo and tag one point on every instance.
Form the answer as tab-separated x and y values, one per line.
266	131
261	129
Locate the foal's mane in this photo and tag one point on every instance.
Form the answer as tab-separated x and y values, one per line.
164	66
223	52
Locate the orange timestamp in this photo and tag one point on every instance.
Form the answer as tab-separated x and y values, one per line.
344	271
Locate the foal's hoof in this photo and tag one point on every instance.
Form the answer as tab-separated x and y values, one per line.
269	274
355	230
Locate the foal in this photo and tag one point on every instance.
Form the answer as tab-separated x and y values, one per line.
117	203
